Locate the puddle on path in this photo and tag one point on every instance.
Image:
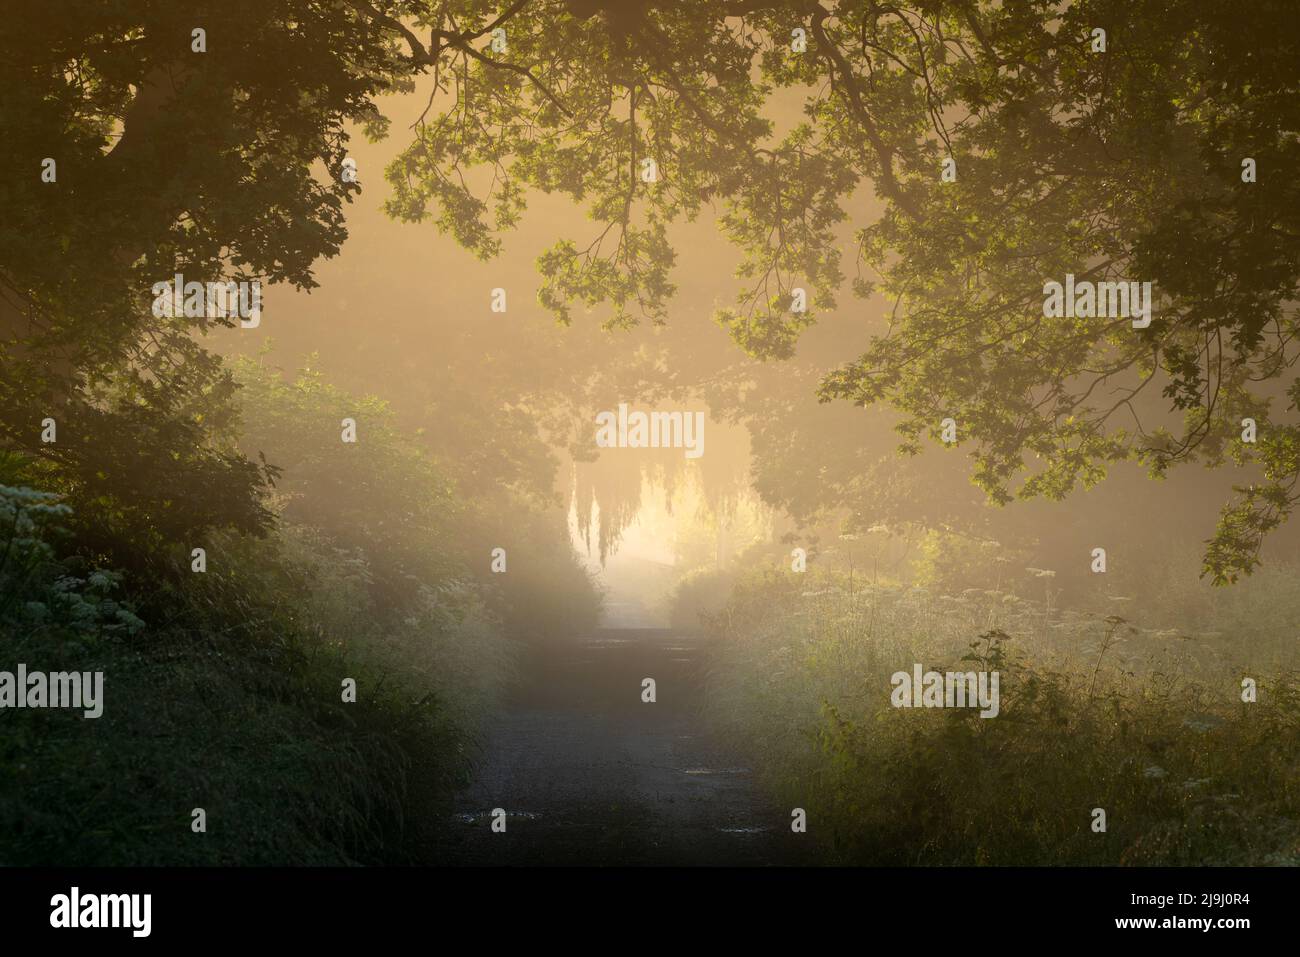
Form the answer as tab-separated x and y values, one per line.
716	771
484	816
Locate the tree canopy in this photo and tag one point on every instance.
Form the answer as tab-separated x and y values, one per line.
1112	156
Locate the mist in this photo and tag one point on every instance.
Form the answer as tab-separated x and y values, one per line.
652	435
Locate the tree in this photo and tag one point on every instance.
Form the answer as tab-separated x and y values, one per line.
168	159
1114	160
1122	159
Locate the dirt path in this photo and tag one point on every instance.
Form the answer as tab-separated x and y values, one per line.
589	774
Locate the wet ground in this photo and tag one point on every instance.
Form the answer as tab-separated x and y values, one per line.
588	773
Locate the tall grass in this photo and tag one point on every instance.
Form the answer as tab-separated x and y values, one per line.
1147	723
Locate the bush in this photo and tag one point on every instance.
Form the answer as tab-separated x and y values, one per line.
230	700
698	595
416	516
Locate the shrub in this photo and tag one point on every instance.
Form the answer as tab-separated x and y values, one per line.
229	699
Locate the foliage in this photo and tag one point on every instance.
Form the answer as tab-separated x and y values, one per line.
381	494
228	698
417	515
1125	164
1095	712
1117	164
698	593
169	161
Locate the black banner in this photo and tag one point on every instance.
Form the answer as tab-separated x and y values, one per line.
333	906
